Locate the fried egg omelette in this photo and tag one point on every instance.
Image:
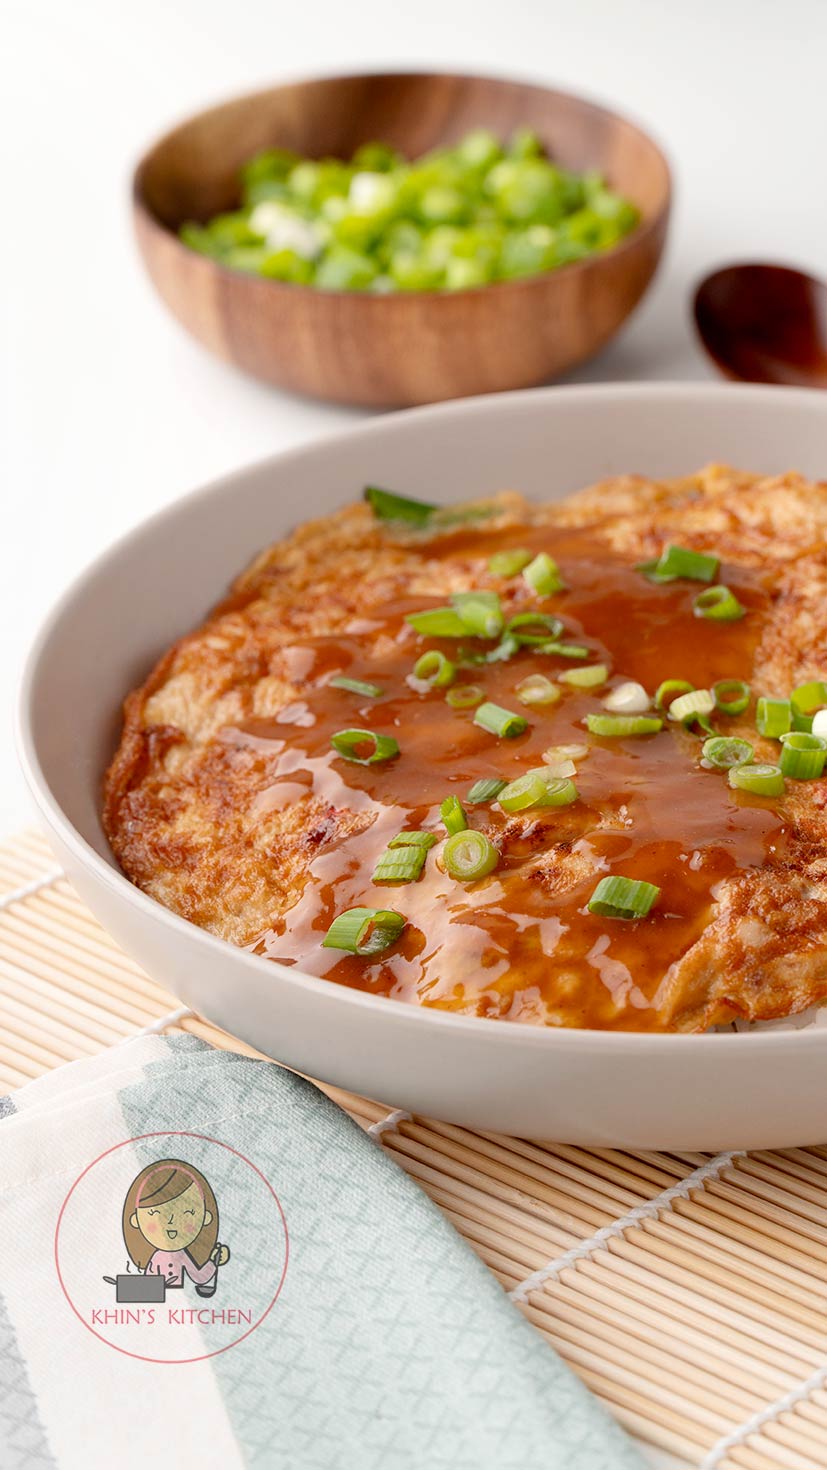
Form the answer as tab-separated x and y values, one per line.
297	778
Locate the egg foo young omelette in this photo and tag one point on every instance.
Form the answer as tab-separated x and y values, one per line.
555	764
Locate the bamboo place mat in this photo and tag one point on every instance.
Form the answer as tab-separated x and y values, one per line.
688	1292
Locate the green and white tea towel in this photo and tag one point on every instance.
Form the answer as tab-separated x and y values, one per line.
205	1264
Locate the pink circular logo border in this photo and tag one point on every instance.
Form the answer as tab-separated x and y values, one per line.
202	1138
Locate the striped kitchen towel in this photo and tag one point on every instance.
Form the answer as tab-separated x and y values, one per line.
205	1262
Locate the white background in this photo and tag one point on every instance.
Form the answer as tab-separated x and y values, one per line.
109	411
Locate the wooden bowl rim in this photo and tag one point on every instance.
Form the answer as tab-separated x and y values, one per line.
649	224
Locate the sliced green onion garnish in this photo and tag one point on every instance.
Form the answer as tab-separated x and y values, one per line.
389	507
586	678
668	690
537	689
553	769
616	726
690	707
527	791
357	686
543	575
486	790
534	627
759	780
802	755
564	650
453	815
508	563
499	721
438	622
731	696
465	696
718	604
557	753
773	717
678	561
413	839
560	791
623	898
479	612
375	748
723	752
434	669
400	865
364	931
469	855
806	700
504	650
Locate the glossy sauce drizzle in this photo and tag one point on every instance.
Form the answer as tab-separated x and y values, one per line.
521	944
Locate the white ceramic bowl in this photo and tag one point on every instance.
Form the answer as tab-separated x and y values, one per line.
763	1089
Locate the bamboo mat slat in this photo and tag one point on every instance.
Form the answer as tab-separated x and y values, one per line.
689	1293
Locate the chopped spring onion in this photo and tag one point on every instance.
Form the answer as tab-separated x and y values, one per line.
627	699
469	855
690	707
542	575
773	717
731	696
364	931
413	839
623	898
564	650
465	696
499	721
557	753
820	722
534	627
479	612
560	790
718	604
537	689
802	755
389	507
434	669
453	815
537	788
806	700
508	563
400	865
678	561
559	768
438	622
722	753
357	686
527	791
586	678
758	780
617	726
348	743
504	650
486	790
668	689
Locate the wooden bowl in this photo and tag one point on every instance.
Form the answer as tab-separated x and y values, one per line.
409	348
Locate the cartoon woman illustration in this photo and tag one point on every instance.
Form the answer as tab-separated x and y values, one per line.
170	1225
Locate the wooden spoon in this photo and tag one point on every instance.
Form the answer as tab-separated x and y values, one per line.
765	324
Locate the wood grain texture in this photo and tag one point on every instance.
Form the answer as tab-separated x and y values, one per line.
408	348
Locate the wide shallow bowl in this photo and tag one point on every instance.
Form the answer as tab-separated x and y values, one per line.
408	348
762	1089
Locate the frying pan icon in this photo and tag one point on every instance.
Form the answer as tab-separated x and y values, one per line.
132	1287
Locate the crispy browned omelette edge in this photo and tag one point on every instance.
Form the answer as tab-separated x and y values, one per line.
179	821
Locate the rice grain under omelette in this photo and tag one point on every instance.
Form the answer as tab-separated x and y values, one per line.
227	803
